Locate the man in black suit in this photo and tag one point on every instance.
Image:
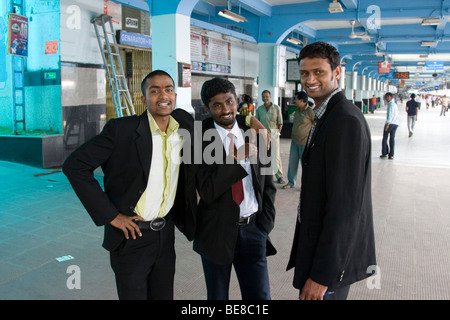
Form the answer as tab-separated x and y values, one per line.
334	242
236	209
146	190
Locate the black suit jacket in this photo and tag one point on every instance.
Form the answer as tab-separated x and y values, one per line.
334	242
218	215
123	150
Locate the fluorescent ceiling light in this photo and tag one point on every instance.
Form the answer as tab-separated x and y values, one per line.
232	16
294	40
431	21
335	7
428	43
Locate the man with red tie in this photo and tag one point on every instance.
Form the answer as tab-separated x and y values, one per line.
236	210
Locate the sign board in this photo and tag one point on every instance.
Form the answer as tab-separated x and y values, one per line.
434	65
210	55
51	47
18	35
384	67
292	70
134	39
184	75
401	75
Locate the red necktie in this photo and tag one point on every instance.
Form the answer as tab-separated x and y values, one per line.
237	189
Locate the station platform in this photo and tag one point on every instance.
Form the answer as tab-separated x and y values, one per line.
46	235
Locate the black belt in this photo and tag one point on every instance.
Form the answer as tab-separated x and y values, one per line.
246	220
156	224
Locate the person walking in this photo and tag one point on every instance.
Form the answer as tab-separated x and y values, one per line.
444	105
390	127
303	120
412	109
334	241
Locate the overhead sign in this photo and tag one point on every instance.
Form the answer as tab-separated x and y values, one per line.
435	65
401	75
18	35
384	67
134	39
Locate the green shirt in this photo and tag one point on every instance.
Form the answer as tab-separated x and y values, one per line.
301	126
271	118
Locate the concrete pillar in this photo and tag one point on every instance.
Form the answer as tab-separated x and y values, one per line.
171	46
267	78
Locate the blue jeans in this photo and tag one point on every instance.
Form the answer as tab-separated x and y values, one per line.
250	263
385	149
295	156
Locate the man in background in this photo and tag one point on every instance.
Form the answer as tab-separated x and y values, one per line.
269	114
303	120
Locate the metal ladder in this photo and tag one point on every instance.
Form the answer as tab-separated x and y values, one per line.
123	103
18	96
18	81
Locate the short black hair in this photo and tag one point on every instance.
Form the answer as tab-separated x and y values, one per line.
151	75
323	50
302	95
413	96
389	94
215	86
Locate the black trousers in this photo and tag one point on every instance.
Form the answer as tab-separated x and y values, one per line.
145	267
250	264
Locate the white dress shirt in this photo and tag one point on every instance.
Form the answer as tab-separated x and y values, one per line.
249	205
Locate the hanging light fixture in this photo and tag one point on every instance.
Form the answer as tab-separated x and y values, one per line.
232	16
335	7
294	40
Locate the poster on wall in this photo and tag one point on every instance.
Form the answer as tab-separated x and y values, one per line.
18	35
292	70
210	55
51	47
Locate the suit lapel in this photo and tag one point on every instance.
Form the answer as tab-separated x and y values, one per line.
144	143
320	122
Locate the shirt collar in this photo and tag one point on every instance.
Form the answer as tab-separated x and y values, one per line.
224	132
319	112
172	127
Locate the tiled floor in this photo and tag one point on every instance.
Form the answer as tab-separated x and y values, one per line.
41	220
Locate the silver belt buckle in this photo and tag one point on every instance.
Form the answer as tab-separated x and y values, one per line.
157	224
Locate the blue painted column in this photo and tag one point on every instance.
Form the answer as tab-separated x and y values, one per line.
171	41
267	71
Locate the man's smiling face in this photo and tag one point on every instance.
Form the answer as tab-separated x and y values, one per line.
160	96
317	78
223	109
